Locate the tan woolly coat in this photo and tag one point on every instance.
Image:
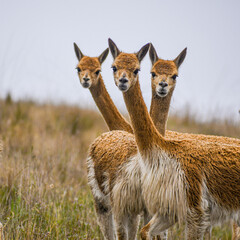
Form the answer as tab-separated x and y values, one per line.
199	163
112	152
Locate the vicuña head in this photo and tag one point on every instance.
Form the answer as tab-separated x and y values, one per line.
89	68
126	66
164	72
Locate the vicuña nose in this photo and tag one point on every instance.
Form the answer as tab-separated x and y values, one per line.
86	79
163	84
123	80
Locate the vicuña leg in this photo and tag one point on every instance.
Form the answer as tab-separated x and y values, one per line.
196	225
236	232
208	234
161	236
105	219
132	226
156	226
121	227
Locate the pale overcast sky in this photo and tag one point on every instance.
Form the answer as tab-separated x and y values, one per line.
37	60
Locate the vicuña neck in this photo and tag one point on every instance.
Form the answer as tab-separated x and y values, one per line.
111	115
159	110
146	134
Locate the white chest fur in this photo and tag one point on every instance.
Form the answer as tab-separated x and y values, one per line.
164	185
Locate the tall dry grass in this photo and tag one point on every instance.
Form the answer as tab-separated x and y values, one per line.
43	192
43	186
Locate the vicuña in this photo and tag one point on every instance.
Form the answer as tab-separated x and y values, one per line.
182	180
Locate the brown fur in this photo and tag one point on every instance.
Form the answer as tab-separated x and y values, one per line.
115	161
109	152
164	69
129	61
216	164
160	106
89	63
113	118
89	66
159	112
198	159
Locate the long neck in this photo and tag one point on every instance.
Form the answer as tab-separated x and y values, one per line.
159	110
146	134
111	115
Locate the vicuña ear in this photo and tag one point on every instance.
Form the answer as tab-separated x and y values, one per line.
113	47
142	52
78	52
103	56
153	54
180	58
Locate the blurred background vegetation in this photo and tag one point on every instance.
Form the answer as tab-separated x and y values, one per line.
43	185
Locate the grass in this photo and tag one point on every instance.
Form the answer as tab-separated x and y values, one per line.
43	186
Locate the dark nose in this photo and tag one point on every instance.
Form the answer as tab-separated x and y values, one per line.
86	79
123	80
163	84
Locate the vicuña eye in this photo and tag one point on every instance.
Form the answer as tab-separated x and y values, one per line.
136	71
97	72
78	69
153	74
174	76
114	69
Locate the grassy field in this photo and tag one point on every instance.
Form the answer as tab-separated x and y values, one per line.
43	187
